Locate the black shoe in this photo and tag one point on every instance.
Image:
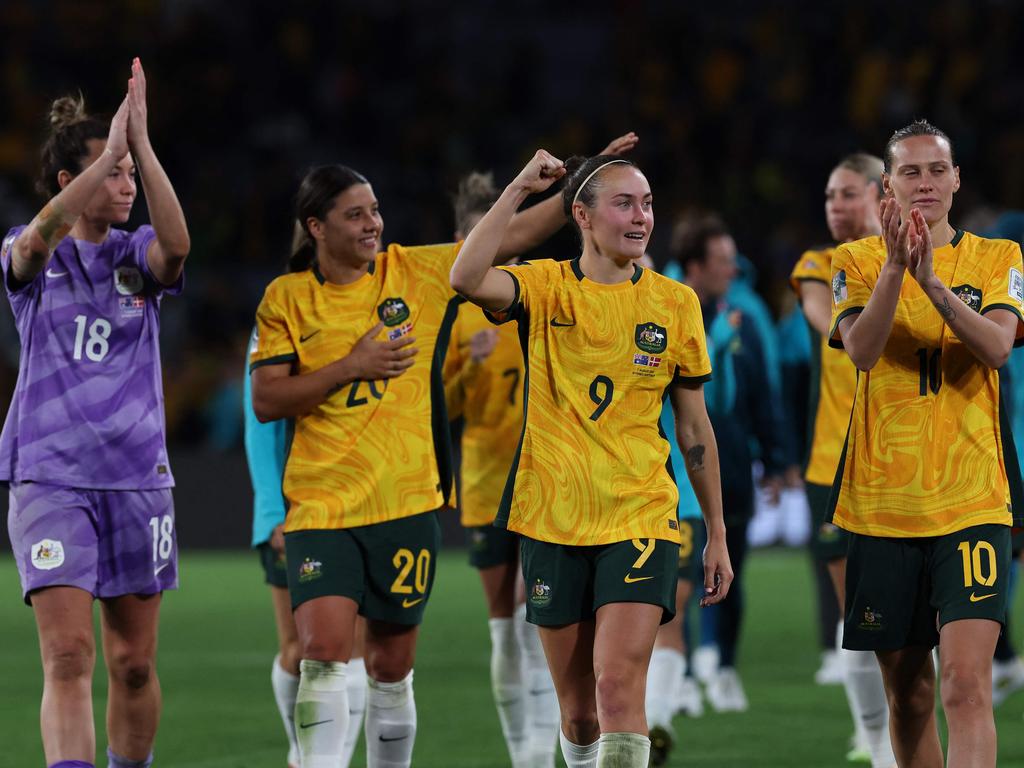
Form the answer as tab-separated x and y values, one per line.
661	745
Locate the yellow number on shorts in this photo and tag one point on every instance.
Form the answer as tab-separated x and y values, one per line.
973	570
646	550
404	560
685	539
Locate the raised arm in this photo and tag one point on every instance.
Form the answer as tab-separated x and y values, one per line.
865	334
529	228
990	337
697	441
278	393
32	249
473	275
167	253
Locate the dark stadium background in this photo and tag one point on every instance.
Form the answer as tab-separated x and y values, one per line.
741	107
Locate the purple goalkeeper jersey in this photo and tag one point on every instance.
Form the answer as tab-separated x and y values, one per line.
88	408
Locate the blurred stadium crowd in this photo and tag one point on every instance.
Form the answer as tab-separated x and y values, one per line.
741	108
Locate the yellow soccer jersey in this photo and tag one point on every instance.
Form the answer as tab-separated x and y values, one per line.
833	381
591	467
489	396
925	450
374	450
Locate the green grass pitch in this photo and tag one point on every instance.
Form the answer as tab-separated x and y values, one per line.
217	640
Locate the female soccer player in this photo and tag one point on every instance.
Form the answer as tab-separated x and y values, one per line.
266	452
368	462
851	210
928	313
589	493
83	447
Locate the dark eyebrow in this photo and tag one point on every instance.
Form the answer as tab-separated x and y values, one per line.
630	196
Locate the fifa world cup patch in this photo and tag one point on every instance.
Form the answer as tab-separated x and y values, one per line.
397	333
969	295
47	554
1016	286
839	292
393	311
651	338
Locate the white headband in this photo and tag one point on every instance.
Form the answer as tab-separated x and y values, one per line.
586	181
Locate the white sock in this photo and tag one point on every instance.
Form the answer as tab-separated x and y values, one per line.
507	686
356	685
623	750
286	687
321	712
390	723
578	755
543	717
664	677
866	691
860	736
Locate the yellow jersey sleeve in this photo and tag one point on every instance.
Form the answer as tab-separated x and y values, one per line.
272	341
812	265
850	291
694	363
1005	286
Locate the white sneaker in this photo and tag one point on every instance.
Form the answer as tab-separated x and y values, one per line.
725	692
831	670
705	663
1007	679
688	699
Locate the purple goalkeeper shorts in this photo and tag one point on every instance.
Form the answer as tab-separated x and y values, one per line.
109	543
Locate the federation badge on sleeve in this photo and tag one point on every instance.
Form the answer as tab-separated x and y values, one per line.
839	292
1016	287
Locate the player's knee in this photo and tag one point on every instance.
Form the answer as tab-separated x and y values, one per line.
388	667
131	671
617	687
579	724
914	701
965	688
291	655
69	657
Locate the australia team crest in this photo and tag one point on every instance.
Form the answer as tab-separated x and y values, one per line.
969	295
393	311
651	338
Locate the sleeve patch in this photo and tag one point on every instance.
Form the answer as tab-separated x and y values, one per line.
1016	285
839	292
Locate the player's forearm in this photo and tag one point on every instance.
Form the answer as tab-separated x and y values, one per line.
867	335
700	452
987	340
529	228
165	214
480	251
287	397
53	223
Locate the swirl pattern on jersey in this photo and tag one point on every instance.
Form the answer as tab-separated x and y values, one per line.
489	397
368	453
924	455
591	466
836	379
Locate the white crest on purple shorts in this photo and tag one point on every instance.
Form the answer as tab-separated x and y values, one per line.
47	554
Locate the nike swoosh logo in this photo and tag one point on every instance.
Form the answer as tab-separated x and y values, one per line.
397	738
156	571
407	603
634	579
318	722
304	339
556	324
51	273
976	599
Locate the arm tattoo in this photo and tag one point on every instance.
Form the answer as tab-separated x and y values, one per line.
695	458
947	312
52	224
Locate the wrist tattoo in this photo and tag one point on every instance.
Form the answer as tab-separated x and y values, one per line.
695	458
947	312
